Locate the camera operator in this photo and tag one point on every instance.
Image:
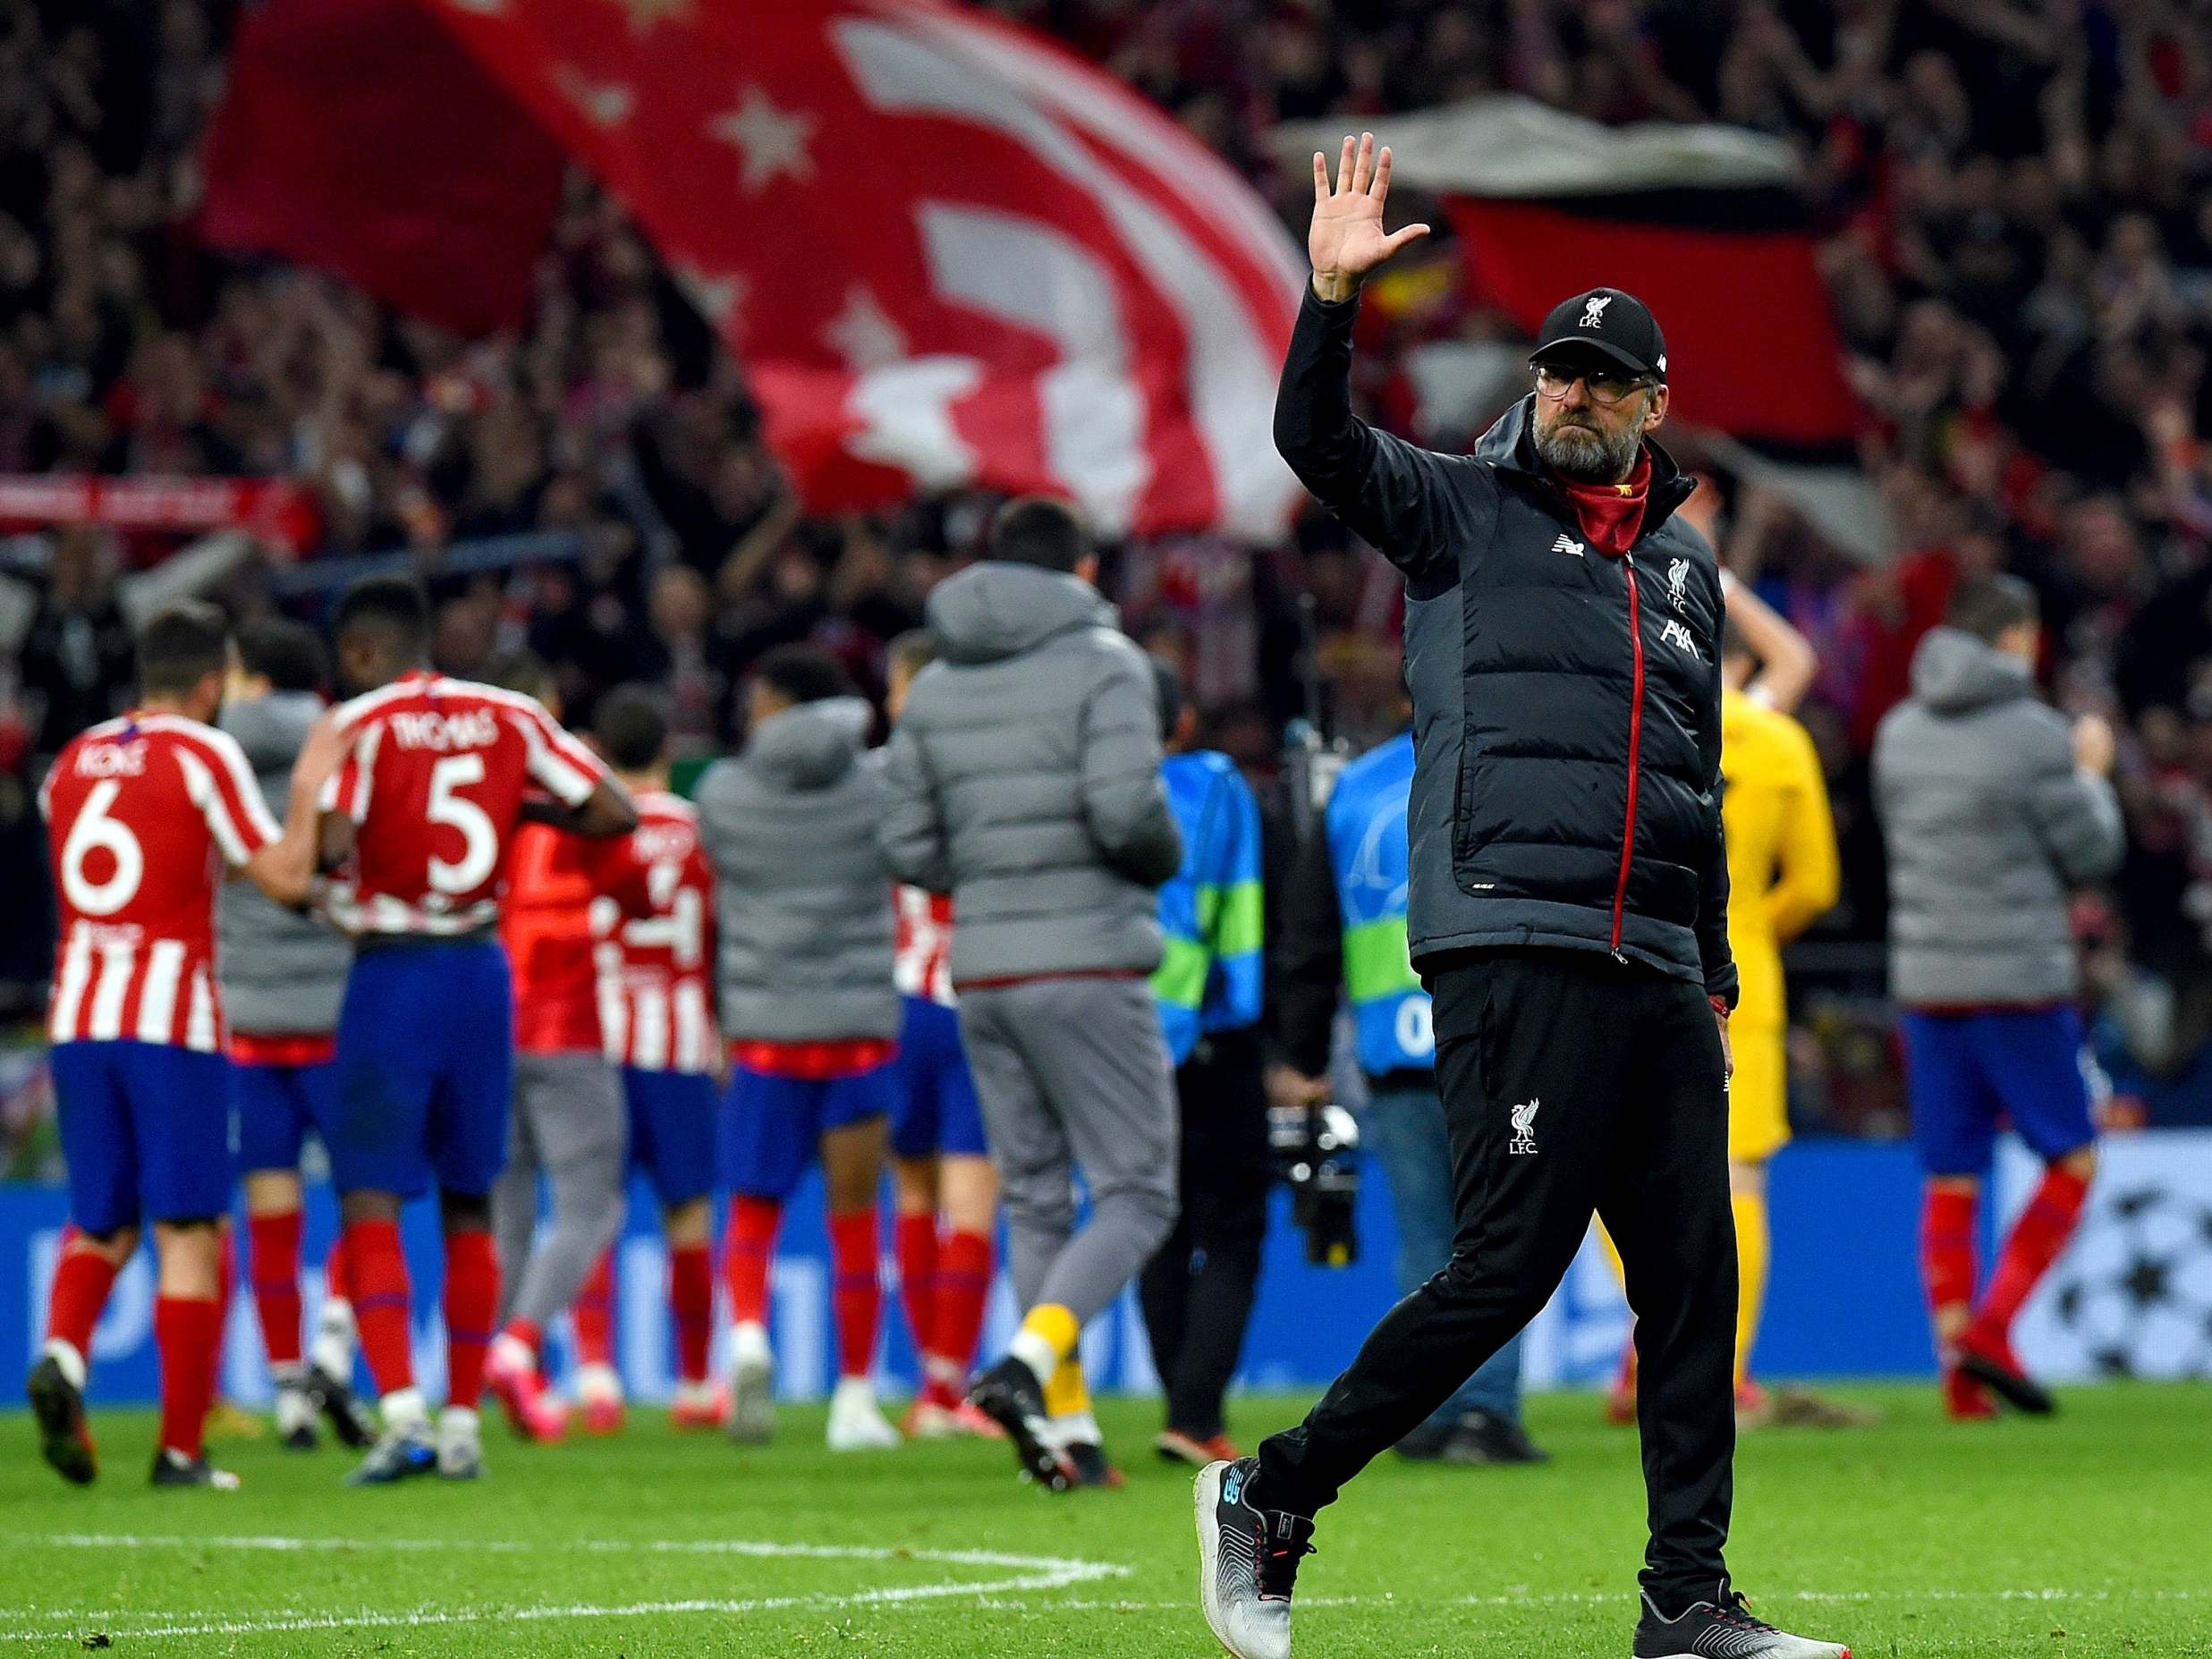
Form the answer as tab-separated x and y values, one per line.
1343	918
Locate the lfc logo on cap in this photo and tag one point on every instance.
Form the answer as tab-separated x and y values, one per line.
1593	309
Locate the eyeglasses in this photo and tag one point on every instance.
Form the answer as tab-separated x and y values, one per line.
1555	383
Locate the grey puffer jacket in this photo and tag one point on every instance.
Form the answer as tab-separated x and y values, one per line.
802	902
1025	780
283	973
1988	824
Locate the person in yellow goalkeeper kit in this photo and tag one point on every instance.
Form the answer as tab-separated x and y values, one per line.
1783	874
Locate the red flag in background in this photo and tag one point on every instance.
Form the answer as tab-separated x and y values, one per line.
356	136
1751	346
945	252
1704	224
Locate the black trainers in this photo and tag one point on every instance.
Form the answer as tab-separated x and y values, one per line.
352	1422
1722	1630
63	1439
1481	1438
173	1468
1993	1365
1424	1443
1248	1561
1092	1467
1010	1395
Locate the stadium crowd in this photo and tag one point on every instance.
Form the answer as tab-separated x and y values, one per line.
2017	233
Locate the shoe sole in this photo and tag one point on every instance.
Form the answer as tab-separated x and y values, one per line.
1844	1653
752	1402
1206	1506
2020	1393
1039	1460
60	1426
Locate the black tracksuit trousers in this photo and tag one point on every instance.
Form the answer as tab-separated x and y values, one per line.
1197	1292
1572	1083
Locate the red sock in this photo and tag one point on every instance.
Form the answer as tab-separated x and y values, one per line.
225	1292
188	1334
963	1288
336	1287
691	1298
1947	1247
856	1288
273	1259
471	1304
2038	1239
593	1316
914	1243
82	1279
745	1258
377	1268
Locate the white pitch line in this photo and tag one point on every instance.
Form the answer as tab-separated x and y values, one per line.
670	1546
1041	1572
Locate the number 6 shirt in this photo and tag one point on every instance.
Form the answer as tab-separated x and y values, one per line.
434	781
143	813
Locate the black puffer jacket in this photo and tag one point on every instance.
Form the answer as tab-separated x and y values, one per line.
1549	735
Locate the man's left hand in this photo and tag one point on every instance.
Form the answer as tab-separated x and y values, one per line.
1727	1054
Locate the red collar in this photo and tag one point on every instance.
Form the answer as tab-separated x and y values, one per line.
1612	515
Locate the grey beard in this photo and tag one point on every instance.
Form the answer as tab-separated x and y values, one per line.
1588	456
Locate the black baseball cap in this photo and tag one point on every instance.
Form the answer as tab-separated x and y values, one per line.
1606	323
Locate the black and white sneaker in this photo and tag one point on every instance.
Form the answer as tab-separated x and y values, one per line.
1248	1561
1722	1630
1009	1394
173	1468
1484	1439
352	1421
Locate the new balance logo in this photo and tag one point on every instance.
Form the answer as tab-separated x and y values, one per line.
1524	1129
1594	309
1567	544
1678	636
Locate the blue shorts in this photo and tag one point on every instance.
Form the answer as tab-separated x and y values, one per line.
145	1129
1965	1072
426	1070
938	1110
771	1125
277	1107
671	1132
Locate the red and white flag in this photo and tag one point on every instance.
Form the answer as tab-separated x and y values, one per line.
946	252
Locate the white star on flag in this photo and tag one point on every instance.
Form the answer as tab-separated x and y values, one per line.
604	103
863	334
770	140
717	298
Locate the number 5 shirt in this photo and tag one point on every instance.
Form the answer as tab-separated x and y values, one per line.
435	782
143	813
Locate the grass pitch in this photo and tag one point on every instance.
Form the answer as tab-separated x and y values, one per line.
2087	1536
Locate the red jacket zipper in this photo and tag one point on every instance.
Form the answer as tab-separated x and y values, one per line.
1635	745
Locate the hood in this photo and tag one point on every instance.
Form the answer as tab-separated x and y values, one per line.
271	729
1510	445
809	747
994	610
1953	672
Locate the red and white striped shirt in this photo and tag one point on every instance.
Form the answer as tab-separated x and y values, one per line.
434	783
923	965
655	987
143	814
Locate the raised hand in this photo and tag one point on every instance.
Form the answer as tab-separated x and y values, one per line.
1347	240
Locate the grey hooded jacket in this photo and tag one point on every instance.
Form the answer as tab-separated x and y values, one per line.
283	973
803	906
1025	780
1988	823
